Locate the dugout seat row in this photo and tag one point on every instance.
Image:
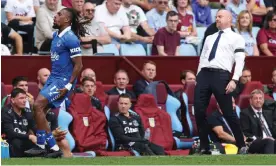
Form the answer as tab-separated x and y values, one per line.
91	133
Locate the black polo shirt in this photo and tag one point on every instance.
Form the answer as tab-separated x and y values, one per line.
127	129
214	120
17	126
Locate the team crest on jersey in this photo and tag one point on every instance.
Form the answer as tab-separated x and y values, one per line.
54	56
135	123
58	43
25	122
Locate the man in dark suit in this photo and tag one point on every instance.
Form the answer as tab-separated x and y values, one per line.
121	80
149	72
257	123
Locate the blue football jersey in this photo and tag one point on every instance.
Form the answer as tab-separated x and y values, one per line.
64	47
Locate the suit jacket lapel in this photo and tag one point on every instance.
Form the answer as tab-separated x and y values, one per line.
268	118
254	116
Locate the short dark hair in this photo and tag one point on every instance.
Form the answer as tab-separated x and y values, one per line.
16	91
124	95
246	68
176	5
269	17
171	14
274	69
150	62
183	74
87	79
17	79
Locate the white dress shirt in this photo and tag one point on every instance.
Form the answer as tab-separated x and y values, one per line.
263	119
230	49
121	91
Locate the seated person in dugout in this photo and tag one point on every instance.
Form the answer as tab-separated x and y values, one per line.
129	132
221	133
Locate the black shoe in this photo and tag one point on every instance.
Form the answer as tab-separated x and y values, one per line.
205	152
35	152
53	154
243	150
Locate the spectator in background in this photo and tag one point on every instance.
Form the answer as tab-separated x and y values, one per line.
244	27
36	5
42	76
167	40
149	73
88	87
94	31
266	38
270	4
137	17
259	11
236	6
78	5
20	16
271	88
112	15
121	81
258	123
157	16
146	5
186	26
245	78
202	13
21	83
18	124
8	33
44	24
185	76
88	72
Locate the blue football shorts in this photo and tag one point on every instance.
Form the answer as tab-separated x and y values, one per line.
51	93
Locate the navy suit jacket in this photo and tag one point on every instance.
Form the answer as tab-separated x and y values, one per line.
139	87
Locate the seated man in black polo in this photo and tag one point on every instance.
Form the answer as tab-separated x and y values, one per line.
128	130
89	87
220	132
18	124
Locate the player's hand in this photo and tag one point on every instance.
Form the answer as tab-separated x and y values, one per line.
33	138
59	134
62	92
30	98
230	87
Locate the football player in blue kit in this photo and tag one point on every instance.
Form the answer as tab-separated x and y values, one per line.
66	65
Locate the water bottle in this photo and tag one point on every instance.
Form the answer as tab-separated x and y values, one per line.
5	153
147	134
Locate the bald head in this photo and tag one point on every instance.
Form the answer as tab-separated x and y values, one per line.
223	19
88	72
42	75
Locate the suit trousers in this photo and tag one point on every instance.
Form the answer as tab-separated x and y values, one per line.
214	81
262	146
